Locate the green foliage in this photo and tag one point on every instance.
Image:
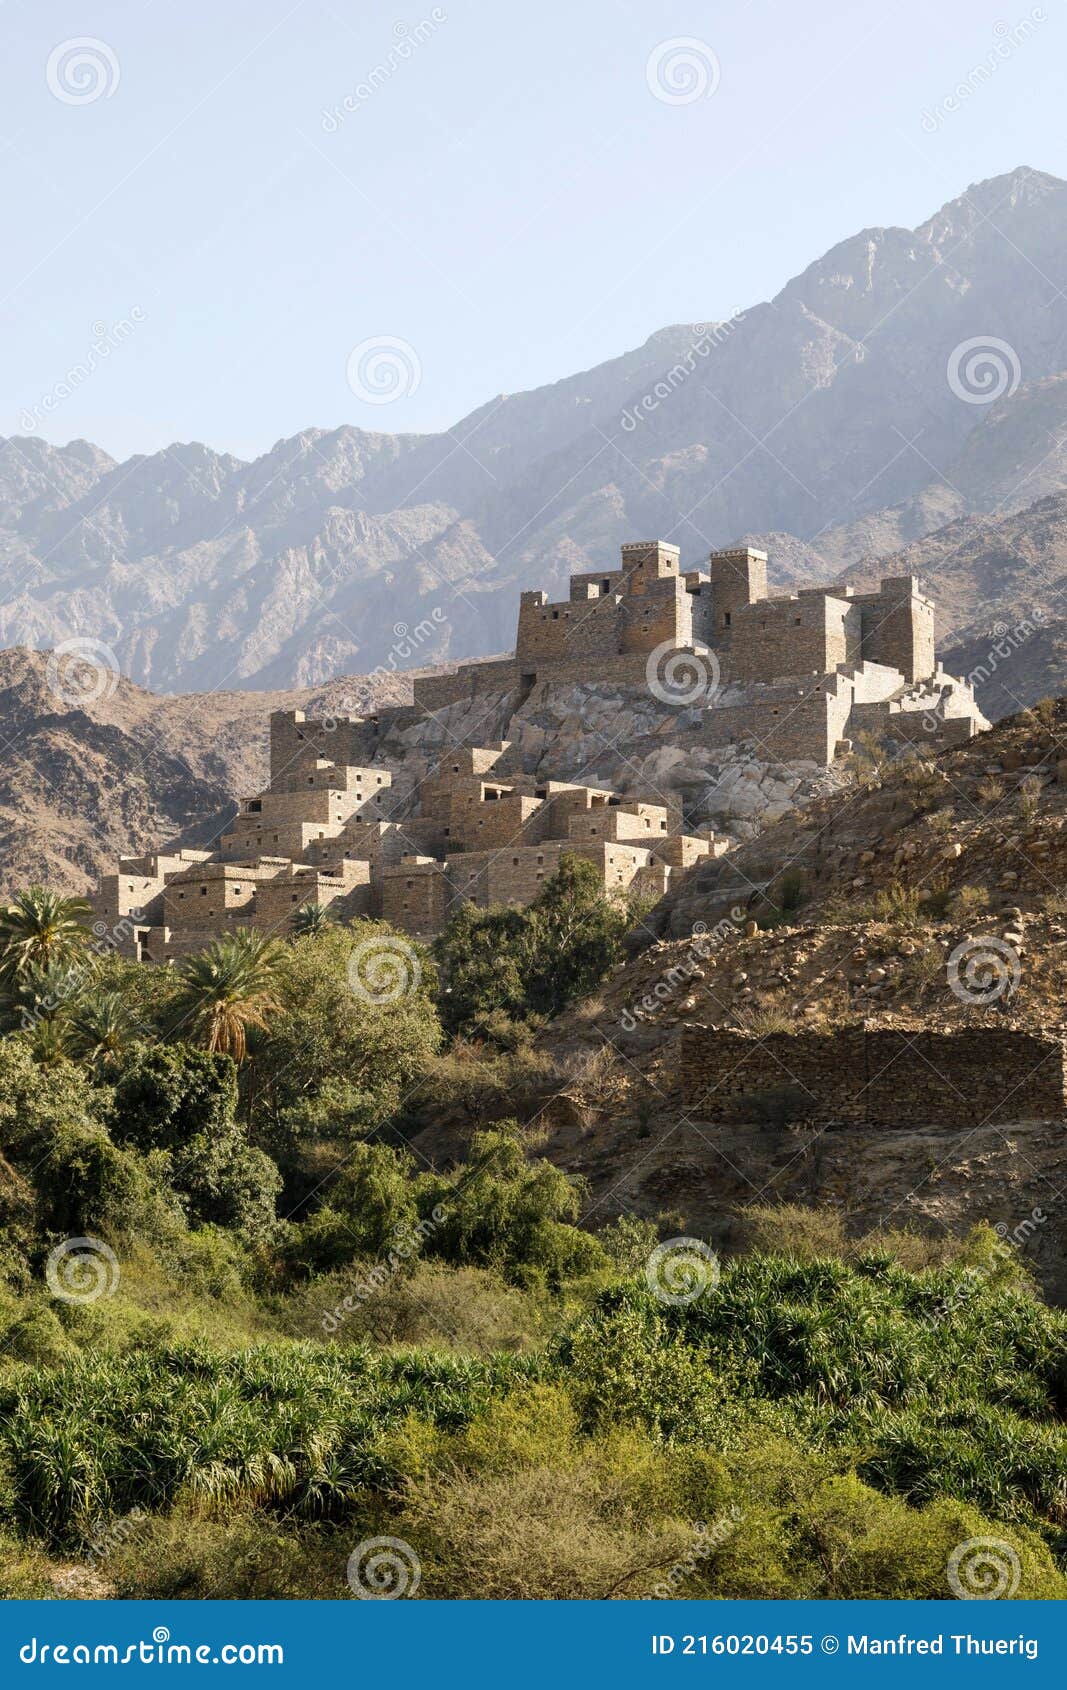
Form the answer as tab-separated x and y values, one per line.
104	1031
227	991
336	1064
39	928
532	961
282	1426
182	1101
443	1354
502	1210
310	918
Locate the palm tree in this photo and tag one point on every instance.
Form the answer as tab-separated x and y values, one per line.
227	989
310	918
102	1030
41	928
40	992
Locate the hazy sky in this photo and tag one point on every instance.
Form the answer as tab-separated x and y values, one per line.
212	205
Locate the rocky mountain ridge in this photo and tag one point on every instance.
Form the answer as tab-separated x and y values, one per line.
844	414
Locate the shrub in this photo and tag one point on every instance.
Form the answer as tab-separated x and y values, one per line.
249	1556
502	1210
466	1309
532	961
969	901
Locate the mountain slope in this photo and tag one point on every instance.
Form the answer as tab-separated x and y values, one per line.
130	771
843	412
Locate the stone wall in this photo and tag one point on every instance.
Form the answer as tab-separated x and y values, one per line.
810	634
877	1076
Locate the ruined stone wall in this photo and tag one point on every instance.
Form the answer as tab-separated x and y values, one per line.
877	1076
498	822
216	893
681	850
378	842
641	825
735	578
549	632
656	612
787	724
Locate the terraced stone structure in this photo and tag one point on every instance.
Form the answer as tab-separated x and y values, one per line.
321	834
797	674
349	822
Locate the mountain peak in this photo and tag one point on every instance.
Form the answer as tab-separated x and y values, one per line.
1022	186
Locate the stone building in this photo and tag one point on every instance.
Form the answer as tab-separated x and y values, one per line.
474	837
797	675
799	672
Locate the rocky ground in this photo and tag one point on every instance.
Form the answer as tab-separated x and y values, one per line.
618	737
850	909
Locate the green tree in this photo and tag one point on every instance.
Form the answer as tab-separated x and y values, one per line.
337	1062
501	1209
227	990
39	928
103	1030
531	961
182	1102
310	918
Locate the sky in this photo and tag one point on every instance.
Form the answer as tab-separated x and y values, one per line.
229	222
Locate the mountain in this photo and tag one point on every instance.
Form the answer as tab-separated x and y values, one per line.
908	379
127	771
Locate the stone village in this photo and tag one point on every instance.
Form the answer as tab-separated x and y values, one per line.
803	673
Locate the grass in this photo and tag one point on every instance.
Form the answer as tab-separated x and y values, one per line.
848	1408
